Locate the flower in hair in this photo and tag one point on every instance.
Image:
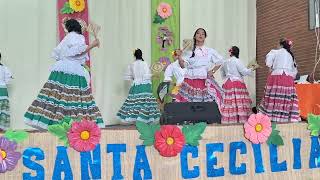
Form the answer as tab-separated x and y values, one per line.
230	51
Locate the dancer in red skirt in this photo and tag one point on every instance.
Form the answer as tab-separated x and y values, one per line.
236	106
201	63
280	100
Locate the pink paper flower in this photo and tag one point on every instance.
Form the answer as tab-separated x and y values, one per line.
258	128
164	10
84	135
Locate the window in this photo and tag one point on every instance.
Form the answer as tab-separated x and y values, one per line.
314	6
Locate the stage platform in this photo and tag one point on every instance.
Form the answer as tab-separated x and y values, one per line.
215	156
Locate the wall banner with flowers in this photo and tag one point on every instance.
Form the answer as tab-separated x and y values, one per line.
75	9
165	36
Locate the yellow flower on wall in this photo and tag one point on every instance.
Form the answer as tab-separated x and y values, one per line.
77	5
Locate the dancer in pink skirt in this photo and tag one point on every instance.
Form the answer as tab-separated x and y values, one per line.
236	106
201	63
280	100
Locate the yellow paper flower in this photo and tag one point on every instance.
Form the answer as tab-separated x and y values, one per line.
77	5
175	90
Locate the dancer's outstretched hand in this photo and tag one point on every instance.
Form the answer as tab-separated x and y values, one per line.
96	43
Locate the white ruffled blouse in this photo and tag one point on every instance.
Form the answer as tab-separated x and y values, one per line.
174	70
139	72
280	61
234	70
205	58
5	76
69	54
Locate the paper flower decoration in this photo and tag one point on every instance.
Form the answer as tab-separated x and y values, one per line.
314	124
81	135
164	37
8	155
73	6
156	69
164	10
169	140
258	128
165	61
84	135
77	5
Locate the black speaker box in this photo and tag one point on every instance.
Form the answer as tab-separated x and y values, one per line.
190	112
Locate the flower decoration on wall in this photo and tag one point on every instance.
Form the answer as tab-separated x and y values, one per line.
164	38
258	128
77	5
164	11
9	156
82	135
156	69
165	61
169	139
73	6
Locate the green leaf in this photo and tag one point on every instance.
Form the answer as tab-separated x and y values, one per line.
314	124
314	132
192	133
66	9
274	137
147	132
276	140
157	19
66	119
17	136
60	130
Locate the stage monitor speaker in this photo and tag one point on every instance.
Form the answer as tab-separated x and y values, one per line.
190	112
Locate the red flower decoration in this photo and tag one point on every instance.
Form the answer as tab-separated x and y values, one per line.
169	140
84	135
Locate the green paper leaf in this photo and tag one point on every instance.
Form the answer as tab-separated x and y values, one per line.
274	137
17	136
60	130
147	132
66	9
276	140
314	132
314	124
192	133
157	19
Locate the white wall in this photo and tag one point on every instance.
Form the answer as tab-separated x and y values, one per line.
28	34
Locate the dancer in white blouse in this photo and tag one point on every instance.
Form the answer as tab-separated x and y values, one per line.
280	101
236	106
174	70
140	104
66	93
201	63
5	78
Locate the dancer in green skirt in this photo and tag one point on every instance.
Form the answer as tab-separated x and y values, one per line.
140	105
66	93
5	78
